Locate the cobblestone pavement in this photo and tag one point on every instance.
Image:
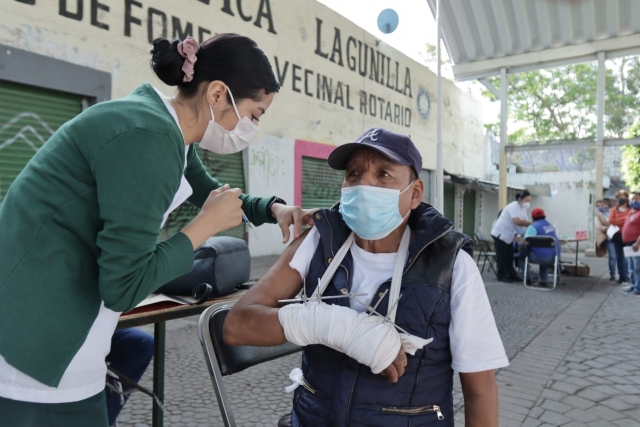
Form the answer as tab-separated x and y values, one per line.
572	359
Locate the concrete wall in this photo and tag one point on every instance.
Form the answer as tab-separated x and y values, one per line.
270	166
612	161
314	51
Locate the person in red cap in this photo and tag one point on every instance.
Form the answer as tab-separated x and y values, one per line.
543	256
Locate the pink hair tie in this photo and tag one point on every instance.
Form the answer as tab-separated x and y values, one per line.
188	49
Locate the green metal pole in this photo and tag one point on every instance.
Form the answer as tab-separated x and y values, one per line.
159	330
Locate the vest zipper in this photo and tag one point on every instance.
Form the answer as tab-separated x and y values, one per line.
430	317
353	387
307	387
331	241
424	354
415	411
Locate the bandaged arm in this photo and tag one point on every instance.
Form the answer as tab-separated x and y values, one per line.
255	319
368	339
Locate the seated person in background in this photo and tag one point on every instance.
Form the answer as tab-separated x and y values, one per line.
358	369
542	256
131	352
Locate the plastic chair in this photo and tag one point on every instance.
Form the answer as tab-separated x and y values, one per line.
485	251
548	242
223	359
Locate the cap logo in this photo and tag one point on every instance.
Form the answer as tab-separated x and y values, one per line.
373	135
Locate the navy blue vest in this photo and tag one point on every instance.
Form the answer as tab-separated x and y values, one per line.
544	228
342	392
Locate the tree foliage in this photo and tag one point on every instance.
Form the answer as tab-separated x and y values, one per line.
631	160
560	104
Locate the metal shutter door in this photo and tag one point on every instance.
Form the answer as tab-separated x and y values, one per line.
469	213
320	184
227	169
28	117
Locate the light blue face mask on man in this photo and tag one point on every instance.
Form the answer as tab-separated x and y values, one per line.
372	212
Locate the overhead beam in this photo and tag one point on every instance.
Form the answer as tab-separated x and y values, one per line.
571	144
618	142
491	87
613	47
551	146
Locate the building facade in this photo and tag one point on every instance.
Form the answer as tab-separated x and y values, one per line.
59	57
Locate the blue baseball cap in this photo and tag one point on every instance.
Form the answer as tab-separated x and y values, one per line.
396	147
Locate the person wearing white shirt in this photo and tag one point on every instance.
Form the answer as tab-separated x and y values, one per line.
504	231
400	255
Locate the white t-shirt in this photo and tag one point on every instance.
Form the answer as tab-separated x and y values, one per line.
505	228
85	375
475	342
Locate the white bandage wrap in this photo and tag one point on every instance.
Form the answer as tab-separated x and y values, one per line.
368	339
298	379
411	343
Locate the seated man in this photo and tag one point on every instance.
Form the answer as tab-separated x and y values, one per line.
542	256
401	257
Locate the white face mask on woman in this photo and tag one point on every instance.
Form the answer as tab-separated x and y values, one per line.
221	141
526	205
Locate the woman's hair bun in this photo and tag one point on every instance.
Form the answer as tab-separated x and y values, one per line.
167	62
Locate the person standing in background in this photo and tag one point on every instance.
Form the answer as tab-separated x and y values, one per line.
504	232
604	245
617	217
631	237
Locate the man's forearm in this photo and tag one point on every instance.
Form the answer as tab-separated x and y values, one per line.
255	325
480	399
253	320
481	411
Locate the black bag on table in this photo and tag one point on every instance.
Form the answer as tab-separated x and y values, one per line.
222	262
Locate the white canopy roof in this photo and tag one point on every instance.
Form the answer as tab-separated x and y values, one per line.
483	36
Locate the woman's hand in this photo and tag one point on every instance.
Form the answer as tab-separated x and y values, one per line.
221	211
291	215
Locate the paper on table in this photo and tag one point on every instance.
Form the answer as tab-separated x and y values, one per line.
613	229
629	252
155	298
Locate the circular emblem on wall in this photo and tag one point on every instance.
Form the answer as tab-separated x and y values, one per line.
424	103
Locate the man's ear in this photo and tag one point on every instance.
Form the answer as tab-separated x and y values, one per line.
417	193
